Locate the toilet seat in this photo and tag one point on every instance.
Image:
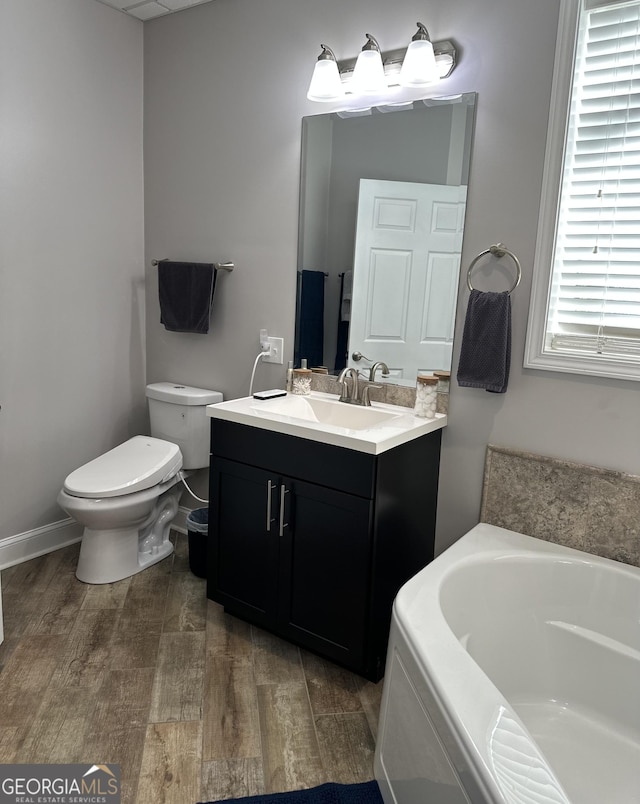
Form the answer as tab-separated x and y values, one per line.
140	463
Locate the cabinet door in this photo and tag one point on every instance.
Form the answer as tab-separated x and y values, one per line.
243	543
325	566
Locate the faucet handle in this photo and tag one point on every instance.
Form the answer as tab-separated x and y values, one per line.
366	391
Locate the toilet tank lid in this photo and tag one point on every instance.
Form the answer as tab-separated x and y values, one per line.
182	394
138	464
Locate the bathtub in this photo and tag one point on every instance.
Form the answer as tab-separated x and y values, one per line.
513	675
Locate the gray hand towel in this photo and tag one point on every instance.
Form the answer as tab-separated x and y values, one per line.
186	295
485	354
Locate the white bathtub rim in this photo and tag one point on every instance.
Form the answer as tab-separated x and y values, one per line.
488	707
438	648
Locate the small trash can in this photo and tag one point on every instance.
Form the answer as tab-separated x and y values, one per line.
198	529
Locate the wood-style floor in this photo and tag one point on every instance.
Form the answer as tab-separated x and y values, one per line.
193	704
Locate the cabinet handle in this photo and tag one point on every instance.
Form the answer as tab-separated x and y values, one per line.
270	487
283	490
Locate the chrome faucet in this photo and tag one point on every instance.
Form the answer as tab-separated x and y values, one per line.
352	374
375	367
350	395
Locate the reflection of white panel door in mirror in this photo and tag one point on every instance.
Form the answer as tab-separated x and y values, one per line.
405	275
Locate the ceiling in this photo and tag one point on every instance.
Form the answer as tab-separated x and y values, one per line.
148	9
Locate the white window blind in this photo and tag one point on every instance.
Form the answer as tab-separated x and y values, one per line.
594	301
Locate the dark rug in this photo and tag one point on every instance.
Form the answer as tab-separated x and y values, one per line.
363	793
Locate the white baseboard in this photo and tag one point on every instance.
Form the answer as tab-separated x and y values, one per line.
37	542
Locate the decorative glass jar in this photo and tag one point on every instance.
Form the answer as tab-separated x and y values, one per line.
302	381
426	397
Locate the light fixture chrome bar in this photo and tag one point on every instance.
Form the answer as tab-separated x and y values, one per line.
444	51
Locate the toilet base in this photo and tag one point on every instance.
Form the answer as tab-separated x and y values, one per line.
107	556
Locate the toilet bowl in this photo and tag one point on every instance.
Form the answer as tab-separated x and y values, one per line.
127	498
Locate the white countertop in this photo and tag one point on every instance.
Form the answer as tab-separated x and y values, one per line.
401	426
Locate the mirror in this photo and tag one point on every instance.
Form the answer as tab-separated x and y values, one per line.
382	202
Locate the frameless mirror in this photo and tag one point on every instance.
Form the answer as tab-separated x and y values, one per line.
382	204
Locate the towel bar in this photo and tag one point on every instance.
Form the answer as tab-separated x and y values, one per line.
220	266
498	250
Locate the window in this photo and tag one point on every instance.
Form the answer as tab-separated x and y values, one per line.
585	307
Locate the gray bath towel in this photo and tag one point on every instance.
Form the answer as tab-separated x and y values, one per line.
186	295
485	354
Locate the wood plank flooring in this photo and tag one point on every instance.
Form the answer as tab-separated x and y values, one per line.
193	704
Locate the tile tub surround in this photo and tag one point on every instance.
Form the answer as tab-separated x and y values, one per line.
591	509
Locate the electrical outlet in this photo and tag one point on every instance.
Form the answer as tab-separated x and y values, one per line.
277	350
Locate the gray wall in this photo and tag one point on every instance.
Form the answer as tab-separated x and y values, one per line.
222	153
71	246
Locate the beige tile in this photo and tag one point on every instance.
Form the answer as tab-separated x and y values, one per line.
7	648
614	516
331	688
538	497
26	675
9	738
371	698
232	778
7	574
231	721
58	732
171	764
141	620
346	747
118	724
290	749
67	558
227	635
186	608
148	589
36	574
58	607
579	506
131	649
178	685
88	649
89	693
106	595
19	608
275	661
180	552
400	395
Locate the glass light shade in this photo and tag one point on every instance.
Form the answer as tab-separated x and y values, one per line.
419	65
368	74
326	84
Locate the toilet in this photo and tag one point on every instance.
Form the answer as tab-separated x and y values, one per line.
127	498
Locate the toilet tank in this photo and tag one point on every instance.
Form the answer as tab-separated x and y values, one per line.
178	414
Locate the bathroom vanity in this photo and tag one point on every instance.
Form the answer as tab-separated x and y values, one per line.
314	526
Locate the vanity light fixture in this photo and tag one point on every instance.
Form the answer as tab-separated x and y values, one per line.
326	84
368	74
420	64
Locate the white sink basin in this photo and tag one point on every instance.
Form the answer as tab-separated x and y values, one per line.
325	411
322	417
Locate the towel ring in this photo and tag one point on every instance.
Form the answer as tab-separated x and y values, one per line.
498	251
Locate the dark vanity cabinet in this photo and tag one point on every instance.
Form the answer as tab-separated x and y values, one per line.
312	541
